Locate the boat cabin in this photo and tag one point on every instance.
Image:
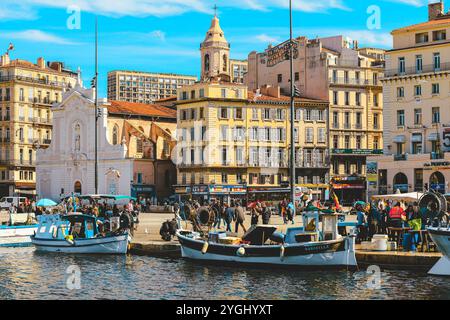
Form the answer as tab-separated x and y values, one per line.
78	226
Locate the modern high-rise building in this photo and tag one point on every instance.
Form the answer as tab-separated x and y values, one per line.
145	87
238	70
333	69
417	107
235	143
27	93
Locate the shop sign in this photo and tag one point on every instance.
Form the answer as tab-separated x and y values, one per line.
357	151
280	53
372	173
182	190
200	190
441	165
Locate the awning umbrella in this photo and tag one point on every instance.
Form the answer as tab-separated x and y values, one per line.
46	203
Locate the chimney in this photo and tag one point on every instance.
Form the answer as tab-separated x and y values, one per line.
41	63
5	60
435	10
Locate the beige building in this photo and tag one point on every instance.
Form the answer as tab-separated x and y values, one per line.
27	93
233	142
417	115
238	70
143	87
333	69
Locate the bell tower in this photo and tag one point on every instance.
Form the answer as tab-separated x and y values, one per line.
215	51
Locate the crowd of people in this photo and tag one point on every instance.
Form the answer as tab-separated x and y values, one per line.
378	216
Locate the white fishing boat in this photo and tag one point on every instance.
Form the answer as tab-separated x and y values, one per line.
78	233
441	237
18	230
299	247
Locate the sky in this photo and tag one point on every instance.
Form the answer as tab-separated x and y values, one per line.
165	35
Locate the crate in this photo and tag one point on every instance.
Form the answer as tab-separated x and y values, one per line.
230	240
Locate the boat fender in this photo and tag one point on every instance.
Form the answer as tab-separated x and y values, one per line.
282	253
205	247
240	252
55	232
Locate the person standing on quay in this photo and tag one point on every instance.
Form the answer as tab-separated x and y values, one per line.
239	217
230	212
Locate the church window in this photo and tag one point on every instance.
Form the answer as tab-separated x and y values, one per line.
206	62
225	63
115	135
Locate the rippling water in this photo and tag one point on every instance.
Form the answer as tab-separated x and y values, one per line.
25	274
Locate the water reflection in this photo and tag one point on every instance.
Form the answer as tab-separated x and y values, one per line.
25	274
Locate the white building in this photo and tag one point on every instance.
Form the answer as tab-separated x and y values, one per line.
68	165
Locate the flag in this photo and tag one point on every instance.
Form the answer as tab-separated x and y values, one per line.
336	200
11	47
297	92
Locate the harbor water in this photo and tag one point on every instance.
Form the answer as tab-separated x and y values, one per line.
26	274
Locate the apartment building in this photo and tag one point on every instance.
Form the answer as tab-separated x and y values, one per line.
233	142
334	69
27	93
238	70
417	115
143	87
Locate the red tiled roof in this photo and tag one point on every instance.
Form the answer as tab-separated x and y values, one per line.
432	23
142	109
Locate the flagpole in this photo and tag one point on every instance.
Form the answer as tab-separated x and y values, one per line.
96	105
291	57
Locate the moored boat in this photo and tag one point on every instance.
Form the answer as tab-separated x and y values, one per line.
441	237
78	233
18	231
262	245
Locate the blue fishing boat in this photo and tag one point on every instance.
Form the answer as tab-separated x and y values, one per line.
78	233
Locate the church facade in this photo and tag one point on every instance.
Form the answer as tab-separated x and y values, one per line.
128	145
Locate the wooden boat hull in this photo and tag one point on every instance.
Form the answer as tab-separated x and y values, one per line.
339	253
107	245
16	236
441	237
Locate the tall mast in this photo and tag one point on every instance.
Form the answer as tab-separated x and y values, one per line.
97	114
291	58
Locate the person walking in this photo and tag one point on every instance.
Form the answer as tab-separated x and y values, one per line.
230	212
239	217
256	211
266	213
290	212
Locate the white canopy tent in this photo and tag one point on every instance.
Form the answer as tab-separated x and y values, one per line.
412	196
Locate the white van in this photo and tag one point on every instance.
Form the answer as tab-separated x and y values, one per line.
7	202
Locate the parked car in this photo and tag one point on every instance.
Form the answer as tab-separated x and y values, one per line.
7	202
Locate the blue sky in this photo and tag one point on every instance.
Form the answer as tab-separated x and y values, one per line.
164	35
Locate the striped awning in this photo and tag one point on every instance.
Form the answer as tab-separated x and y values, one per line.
400	139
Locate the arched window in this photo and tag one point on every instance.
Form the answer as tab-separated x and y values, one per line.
225	63
401	183
115	135
206	62
77	187
139	145
437	182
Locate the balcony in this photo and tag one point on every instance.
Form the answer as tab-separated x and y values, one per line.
34	80
354	82
437	156
46	141
430	68
400	157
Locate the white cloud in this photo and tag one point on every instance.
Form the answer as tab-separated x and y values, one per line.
158	34
415	3
143	8
266	39
36	36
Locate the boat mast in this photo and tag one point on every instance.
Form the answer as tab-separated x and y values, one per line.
97	113
291	60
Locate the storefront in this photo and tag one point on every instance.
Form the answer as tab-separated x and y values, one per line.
143	191
226	193
183	193
349	189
